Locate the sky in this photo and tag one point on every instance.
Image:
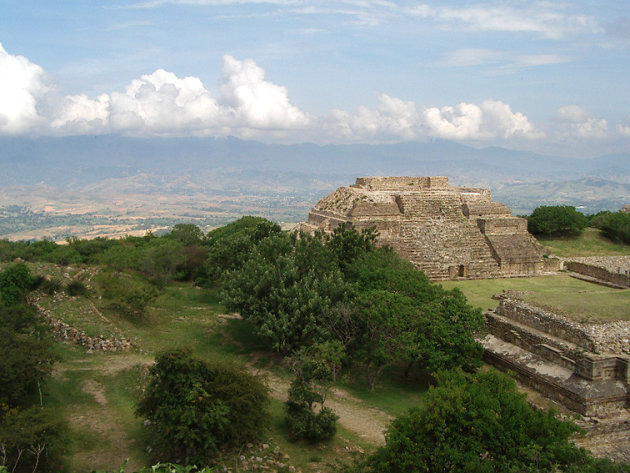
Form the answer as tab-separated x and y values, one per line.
546	76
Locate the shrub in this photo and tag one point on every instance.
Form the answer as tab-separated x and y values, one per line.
478	423
614	225
556	220
76	288
126	294
15	282
51	286
304	424
195	408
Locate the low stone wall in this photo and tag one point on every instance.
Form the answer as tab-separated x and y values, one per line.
598	272
611	337
78	337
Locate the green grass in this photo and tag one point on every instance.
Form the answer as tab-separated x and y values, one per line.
102	436
589	243
581	300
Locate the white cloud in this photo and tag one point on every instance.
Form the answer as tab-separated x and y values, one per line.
20	87
392	119
162	103
467	121
254	102
395	119
544	18
623	130
576	122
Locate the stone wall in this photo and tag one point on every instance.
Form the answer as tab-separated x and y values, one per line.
76	336
611	337
619	279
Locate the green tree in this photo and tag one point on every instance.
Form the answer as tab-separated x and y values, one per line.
228	246
556	220
31	439
15	282
286	287
195	408
307	417
614	225
398	314
476	423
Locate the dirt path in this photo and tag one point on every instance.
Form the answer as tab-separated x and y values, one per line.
369	423
101	429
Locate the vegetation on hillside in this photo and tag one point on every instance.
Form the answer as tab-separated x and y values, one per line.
31	433
335	308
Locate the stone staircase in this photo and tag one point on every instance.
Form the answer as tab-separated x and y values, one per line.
555	356
445	244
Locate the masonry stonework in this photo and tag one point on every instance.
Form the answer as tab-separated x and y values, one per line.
448	232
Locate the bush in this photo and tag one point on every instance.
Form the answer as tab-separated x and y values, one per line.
50	286
478	423
556	220
76	288
15	282
126	294
304	424
196	408
614	225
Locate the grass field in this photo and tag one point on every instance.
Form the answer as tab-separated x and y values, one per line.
580	300
590	243
97	392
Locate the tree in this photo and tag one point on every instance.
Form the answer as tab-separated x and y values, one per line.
398	314
614	225
314	369
556	220
286	287
195	408
477	423
229	246
15	282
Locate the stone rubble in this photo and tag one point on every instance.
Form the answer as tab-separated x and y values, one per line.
78	337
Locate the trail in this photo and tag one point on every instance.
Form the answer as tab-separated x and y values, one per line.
369	423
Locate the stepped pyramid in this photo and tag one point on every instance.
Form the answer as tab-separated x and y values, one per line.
448	232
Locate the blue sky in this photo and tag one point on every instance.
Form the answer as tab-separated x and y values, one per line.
547	76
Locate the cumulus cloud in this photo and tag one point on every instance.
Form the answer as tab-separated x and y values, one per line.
255	102
392	119
576	122
467	121
623	130
162	103
21	84
396	119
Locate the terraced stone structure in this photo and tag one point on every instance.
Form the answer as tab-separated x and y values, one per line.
448	232
584	366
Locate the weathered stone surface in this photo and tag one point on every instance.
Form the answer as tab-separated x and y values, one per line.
448	232
610	270
583	366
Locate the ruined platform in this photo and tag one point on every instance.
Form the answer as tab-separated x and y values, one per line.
448	232
584	367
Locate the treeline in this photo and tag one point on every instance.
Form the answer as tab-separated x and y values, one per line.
564	220
32	436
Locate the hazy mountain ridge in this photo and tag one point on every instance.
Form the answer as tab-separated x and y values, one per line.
221	178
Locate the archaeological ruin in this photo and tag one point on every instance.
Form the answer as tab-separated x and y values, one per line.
448	232
583	366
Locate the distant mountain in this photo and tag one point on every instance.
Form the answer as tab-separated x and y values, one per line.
186	166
